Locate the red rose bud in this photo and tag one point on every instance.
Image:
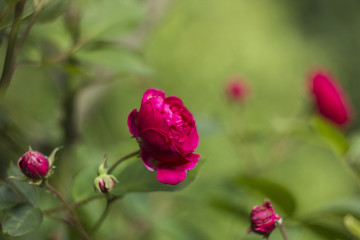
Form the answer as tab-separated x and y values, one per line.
104	188
263	219
330	99
104	183
34	165
236	90
167	135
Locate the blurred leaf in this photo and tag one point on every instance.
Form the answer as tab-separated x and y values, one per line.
28	191
7	196
115	58
136	178
275	192
343	207
328	231
330	133
52	11
109	19
353	225
21	220
28	10
229	207
83	186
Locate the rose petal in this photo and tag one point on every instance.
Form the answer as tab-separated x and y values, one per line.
132	123
193	159
148	161
155	96
173	100
171	176
192	141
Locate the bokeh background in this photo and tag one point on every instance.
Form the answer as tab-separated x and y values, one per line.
85	66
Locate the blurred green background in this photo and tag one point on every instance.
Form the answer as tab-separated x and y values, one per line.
262	148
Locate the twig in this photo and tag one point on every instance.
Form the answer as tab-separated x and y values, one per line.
71	210
27	29
7	11
8	68
106	211
137	152
75	205
282	228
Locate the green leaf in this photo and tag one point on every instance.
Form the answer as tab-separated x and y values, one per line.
110	19
328	231
7	196
136	178
29	9
83	186
116	59
274	191
28	191
353	225
331	134
21	220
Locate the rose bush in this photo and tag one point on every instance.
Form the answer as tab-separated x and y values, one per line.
330	99
167	136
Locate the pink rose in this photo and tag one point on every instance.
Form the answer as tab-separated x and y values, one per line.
34	165
236	90
263	219
331	101
167	136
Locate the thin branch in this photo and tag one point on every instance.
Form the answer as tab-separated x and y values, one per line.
105	213
130	155
71	210
74	205
7	11
64	220
28	28
283	232
9	63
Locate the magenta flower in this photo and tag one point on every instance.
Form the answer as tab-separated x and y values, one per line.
236	90
330	99
167	136
263	219
34	165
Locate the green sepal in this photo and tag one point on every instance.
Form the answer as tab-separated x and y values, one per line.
96	183
51	158
103	167
37	182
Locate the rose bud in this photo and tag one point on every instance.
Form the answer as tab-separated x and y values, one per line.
105	184
329	98
34	165
167	136
236	90
263	219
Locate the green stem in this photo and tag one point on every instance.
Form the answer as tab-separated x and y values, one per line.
130	155
106	211
71	210
9	63
283	231
75	205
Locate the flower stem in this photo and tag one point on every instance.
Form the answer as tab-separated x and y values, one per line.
71	210
9	63
106	211
130	155
75	205
283	231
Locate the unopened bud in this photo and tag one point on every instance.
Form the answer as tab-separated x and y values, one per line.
263	219
34	165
